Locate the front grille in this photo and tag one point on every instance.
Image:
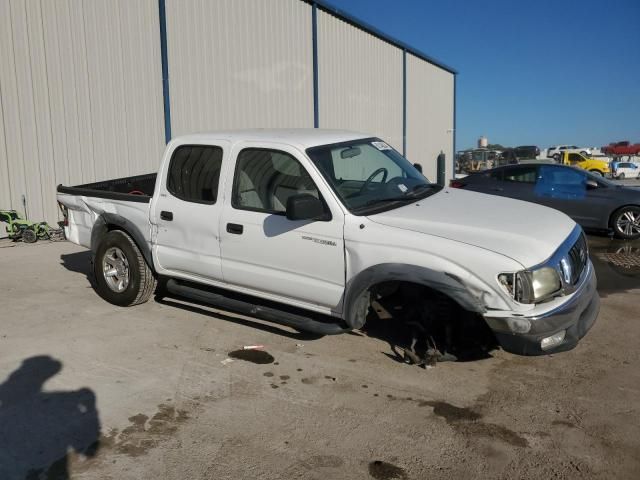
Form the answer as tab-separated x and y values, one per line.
578	258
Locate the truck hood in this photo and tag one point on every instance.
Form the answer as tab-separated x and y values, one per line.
523	231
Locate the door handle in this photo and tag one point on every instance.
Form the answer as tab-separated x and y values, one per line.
235	228
168	216
497	189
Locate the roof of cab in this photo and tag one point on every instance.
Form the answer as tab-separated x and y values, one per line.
299	137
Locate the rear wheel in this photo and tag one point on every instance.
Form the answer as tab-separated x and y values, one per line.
621	176
626	222
29	236
597	172
121	272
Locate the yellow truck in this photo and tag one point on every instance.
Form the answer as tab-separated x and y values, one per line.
595	165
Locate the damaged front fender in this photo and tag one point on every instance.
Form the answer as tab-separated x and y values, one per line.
469	295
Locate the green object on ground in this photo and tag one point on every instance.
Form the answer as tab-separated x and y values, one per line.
20	229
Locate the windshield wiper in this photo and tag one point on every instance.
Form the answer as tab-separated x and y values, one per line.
407	197
417	188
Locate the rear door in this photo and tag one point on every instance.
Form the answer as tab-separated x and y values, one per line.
266	253
186	212
515	181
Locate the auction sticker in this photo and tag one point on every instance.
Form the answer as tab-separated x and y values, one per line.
381	146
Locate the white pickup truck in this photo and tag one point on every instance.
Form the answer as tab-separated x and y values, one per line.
307	228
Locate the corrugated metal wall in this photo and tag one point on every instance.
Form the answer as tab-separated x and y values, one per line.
429	115
239	64
360	81
80	96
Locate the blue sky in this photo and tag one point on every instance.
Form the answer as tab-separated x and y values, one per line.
536	72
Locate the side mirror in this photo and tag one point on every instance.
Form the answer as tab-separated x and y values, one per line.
418	167
304	207
592	184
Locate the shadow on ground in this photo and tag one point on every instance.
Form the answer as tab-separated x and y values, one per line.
78	262
38	428
201	309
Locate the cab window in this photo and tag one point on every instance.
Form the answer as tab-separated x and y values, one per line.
575	158
265	179
521	175
194	173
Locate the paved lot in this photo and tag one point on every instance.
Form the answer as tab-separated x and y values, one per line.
148	392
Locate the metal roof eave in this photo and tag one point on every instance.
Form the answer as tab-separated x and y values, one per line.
356	22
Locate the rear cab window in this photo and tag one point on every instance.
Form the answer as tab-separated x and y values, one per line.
194	173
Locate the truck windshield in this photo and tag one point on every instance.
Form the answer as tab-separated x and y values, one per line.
368	175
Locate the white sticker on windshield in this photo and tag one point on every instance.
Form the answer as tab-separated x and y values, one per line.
381	146
403	188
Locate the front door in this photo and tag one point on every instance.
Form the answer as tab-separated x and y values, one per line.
186	212
265	252
565	189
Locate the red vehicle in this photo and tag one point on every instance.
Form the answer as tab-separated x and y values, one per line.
621	148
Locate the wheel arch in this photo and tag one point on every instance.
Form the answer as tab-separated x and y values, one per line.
107	222
357	295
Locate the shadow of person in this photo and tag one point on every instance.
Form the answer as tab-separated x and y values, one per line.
38	428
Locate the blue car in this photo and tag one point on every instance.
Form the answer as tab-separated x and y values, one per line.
593	202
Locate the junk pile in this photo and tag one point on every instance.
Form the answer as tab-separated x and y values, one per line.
20	229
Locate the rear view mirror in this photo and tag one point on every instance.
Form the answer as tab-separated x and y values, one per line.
418	167
350	152
304	207
592	184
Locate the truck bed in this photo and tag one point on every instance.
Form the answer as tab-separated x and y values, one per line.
138	188
122	201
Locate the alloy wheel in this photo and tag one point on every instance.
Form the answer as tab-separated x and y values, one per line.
115	269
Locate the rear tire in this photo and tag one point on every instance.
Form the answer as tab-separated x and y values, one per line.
621	176
122	275
597	172
29	236
626	223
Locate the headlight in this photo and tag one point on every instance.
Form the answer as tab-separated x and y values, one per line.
531	286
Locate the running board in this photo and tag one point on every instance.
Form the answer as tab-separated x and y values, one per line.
281	317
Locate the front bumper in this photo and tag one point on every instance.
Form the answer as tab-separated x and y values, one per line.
575	317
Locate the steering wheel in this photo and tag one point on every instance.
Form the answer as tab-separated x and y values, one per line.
366	183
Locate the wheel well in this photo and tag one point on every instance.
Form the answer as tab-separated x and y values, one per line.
410	313
409	292
103	225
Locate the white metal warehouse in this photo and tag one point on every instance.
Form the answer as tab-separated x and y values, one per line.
92	90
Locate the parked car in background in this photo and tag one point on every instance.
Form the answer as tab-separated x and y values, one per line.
556	152
592	201
626	170
307	227
599	166
527	151
621	148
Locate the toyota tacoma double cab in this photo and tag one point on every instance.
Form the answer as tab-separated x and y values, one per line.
308	228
